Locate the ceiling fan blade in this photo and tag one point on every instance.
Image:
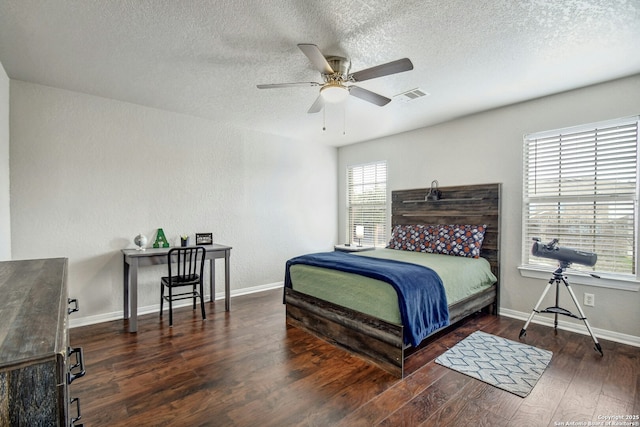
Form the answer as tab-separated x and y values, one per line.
316	57
317	106
279	85
369	96
393	67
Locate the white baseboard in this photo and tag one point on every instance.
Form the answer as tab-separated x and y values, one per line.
76	321
573	327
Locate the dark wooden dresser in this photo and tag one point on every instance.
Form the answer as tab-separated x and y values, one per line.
36	363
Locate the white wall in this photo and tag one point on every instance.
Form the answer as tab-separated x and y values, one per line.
5	217
487	148
88	174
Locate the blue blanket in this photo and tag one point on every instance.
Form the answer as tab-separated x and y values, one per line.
423	303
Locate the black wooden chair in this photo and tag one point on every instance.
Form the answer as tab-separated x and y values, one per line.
186	267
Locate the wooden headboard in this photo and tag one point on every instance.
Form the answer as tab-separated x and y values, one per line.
465	204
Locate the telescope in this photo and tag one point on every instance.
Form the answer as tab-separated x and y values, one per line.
565	255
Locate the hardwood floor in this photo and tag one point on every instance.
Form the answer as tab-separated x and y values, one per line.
247	368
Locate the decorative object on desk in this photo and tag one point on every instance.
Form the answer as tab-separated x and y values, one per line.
184	240
141	241
359	234
434	194
161	240
204	239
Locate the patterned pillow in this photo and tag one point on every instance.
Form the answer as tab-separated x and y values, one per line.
460	240
417	238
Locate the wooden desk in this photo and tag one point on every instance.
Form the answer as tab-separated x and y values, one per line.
133	258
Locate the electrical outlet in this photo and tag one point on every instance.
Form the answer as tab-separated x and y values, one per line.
589	299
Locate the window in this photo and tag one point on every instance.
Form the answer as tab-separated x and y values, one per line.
581	186
367	203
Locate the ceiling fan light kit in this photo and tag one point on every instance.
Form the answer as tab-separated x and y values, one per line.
335	72
334	92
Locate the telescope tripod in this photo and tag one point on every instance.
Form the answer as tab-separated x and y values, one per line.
556	278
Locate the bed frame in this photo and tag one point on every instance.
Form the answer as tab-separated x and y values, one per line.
381	342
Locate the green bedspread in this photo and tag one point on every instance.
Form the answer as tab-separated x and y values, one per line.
461	277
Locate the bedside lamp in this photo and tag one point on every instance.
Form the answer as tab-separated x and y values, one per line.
359	234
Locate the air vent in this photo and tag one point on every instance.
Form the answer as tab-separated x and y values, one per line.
411	95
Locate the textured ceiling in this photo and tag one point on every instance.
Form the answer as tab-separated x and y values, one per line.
205	57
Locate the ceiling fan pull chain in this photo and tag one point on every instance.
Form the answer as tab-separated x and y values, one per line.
344	119
324	119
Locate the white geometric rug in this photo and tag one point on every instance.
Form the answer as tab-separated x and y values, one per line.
506	364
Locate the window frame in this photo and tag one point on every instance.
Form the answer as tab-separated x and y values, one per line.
372	237
629	281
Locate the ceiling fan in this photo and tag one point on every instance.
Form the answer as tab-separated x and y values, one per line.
338	80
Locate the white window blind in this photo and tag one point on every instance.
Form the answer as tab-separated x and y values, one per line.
367	202
581	186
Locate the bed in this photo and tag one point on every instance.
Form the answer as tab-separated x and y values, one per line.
319	301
